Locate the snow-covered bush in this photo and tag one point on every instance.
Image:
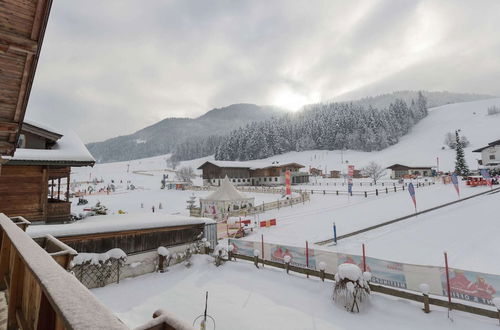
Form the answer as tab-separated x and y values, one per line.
351	286
99	259
220	254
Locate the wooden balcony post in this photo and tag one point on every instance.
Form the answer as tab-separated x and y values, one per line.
4	260
15	294
46	314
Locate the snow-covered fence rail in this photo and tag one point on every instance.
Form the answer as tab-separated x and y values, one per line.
466	285
43	295
371	192
373	287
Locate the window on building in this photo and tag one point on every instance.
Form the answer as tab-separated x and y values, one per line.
275	179
239	180
21	143
492	156
265	179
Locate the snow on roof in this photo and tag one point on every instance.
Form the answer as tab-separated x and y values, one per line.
413	166
69	149
114	223
42	126
248	164
226	192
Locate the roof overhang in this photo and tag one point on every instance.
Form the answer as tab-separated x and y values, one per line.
30	128
22	28
71	163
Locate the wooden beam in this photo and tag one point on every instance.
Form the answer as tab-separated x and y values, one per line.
18	43
8	127
6	146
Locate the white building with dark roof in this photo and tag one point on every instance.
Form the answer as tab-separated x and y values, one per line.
490	154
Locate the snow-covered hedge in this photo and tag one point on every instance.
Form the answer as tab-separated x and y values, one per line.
99	258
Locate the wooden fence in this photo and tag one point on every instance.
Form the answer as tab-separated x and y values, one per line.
42	294
281	203
385	189
375	287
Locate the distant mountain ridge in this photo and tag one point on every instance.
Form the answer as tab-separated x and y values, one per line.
162	137
180	134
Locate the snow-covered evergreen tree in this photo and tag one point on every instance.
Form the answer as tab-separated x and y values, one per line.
461	167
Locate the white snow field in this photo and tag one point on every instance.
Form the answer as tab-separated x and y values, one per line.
243	297
467	231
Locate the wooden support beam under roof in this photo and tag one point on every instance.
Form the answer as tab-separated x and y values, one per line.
22	28
9	127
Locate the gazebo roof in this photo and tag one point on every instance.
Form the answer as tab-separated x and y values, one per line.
226	192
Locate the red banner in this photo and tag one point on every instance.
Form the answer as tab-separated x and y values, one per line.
268	223
288	182
350	170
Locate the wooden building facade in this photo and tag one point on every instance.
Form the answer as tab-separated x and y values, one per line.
135	241
35	182
399	171
245	174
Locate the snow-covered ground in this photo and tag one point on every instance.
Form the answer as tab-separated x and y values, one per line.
468	231
243	297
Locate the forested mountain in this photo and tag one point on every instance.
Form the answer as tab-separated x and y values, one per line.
328	126
364	124
162	137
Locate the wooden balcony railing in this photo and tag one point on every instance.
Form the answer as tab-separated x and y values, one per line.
42	294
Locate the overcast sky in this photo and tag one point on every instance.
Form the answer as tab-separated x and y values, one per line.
109	68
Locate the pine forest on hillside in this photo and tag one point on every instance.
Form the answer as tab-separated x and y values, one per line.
324	126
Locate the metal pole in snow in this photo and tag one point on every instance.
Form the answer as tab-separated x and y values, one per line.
447	281
334	234
364	258
262	245
307	257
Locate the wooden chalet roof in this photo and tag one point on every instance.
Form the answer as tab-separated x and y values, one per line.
252	165
491	144
404	167
22	27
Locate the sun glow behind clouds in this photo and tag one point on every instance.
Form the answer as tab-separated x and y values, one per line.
293	101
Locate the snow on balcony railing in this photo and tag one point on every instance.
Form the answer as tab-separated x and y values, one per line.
43	295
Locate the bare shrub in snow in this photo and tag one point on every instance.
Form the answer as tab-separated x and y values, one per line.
351	286
451	141
173	162
374	171
185	174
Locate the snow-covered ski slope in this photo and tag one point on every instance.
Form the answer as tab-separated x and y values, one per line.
421	146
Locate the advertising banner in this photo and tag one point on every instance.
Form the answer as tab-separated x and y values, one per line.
387	272
430	275
464	285
298	255
245	248
471	286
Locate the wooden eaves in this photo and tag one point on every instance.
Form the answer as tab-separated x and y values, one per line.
22	28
